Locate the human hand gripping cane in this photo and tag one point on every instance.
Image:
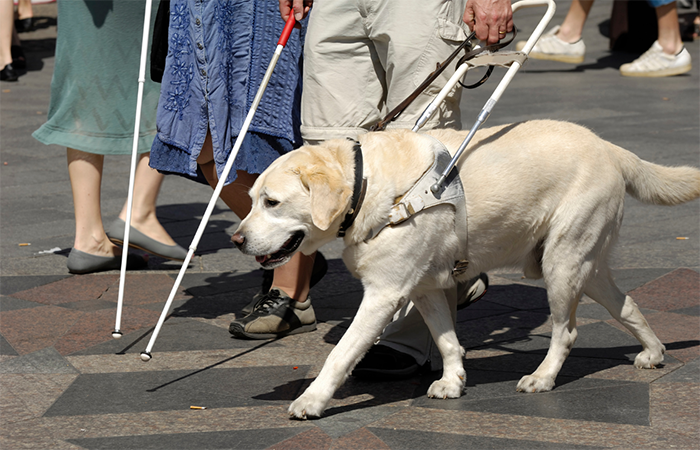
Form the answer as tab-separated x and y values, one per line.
289	26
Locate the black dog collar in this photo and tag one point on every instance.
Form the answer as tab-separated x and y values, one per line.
358	192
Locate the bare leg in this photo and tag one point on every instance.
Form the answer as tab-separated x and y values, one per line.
24	9
572	27
85	172
293	278
6	27
147	184
669	32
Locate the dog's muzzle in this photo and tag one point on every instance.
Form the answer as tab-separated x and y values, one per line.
276	258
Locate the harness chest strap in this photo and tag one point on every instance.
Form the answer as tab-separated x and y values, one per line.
419	197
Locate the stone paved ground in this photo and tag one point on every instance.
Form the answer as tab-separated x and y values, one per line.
66	384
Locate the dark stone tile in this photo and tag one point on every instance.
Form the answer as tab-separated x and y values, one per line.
514	325
482	308
6	349
592	311
689	311
595	340
678	289
117	393
89	305
207	284
46	360
8	303
337	424
420	440
242	439
689	373
177	334
518	296
585	399
11	284
215	305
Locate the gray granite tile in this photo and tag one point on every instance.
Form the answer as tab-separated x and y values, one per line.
421	440
595	340
176	334
114	393
689	373
6	349
585	399
518	296
8	303
47	360
240	439
337	424
11	284
689	311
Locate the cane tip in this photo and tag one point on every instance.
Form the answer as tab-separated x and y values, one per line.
145	356
116	334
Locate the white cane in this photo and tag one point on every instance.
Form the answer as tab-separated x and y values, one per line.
146	355
134	157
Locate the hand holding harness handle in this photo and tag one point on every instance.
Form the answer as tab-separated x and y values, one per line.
514	67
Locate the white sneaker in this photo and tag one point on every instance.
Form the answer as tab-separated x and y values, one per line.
550	47
655	63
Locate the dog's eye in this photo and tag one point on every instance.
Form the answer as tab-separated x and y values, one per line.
271	203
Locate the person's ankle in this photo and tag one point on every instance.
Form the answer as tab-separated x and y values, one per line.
298	293
98	248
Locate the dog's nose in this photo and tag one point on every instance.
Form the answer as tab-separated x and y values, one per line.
238	239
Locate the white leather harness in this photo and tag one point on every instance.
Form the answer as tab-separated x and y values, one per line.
419	198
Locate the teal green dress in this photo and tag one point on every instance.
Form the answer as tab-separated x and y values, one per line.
95	80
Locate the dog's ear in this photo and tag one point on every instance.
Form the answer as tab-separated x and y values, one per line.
329	196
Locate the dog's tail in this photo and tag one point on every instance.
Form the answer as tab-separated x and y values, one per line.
657	184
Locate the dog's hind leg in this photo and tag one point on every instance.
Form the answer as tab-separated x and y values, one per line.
376	310
435	310
603	290
565	277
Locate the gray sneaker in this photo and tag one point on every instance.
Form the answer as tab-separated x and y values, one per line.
550	47
275	315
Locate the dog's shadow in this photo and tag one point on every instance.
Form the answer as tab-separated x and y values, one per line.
506	335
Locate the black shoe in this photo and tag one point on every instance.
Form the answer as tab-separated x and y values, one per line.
8	73
317	273
19	61
275	316
472	290
382	363
24	25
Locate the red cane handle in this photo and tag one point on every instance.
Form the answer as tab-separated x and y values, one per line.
288	27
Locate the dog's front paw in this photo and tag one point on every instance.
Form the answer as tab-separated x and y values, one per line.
531	383
306	407
452	387
649	359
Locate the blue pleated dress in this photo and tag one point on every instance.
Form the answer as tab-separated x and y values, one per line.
218	53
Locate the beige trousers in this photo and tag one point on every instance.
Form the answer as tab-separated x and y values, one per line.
364	57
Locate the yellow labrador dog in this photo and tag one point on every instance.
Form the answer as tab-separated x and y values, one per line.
545	196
